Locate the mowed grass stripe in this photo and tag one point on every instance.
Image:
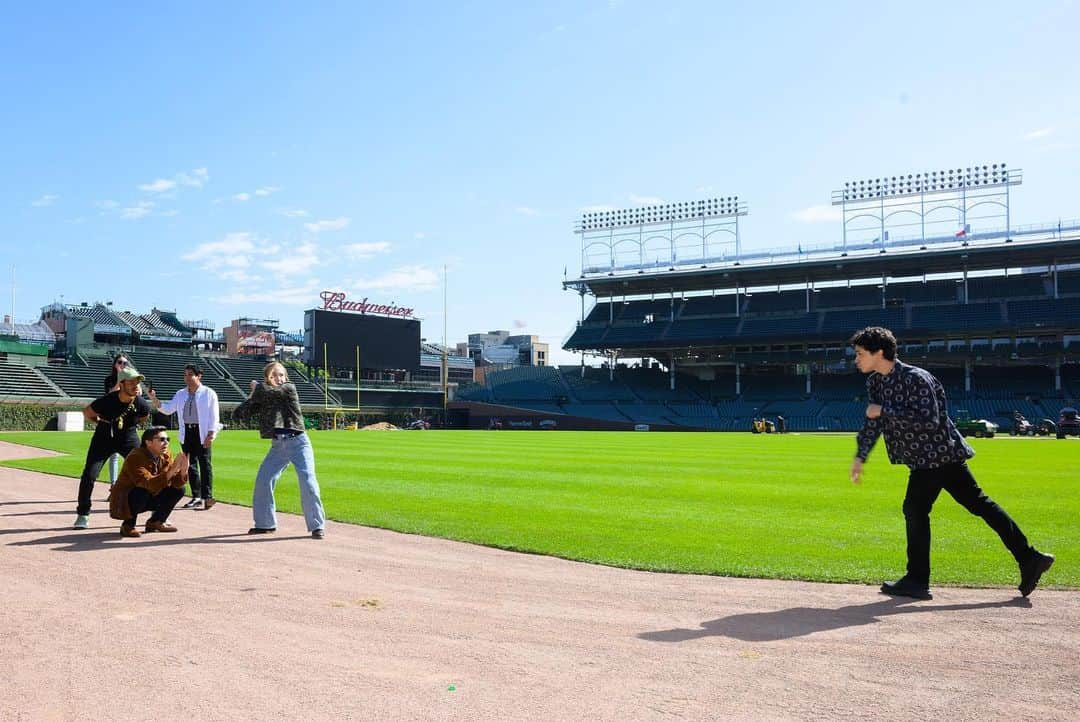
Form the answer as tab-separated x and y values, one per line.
732	504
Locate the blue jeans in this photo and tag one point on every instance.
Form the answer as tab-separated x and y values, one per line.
297	451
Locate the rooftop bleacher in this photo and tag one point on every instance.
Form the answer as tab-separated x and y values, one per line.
38	332
105	321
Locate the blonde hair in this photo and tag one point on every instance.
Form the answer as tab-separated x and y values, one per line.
270	367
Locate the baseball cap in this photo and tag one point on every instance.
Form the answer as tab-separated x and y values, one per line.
129	373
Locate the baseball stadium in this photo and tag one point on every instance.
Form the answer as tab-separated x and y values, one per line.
536	539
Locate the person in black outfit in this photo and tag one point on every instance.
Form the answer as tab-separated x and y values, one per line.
112	384
117	414
907	405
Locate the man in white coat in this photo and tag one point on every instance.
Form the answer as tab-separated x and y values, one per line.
200	421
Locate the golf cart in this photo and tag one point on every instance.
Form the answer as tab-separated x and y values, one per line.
979	428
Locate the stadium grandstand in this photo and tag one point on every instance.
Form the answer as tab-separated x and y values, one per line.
710	337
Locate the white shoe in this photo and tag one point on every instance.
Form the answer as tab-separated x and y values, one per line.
198	504
82	521
194	503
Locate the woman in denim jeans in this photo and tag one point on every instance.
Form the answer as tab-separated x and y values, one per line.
278	406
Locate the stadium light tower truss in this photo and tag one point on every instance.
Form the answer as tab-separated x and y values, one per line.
660	236
941	197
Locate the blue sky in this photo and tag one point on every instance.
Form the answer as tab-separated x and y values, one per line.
228	159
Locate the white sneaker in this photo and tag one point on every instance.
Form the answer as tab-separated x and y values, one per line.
82	521
198	504
194	503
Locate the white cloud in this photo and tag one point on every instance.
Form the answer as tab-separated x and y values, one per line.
645	200
331	225
819	214
1036	134
405	278
159	186
170	213
597	209
107	205
526	211
266	190
241	197
297	260
139	210
195	179
294	213
46	200
363	251
232	250
419	235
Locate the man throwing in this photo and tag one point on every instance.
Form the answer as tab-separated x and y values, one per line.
200	422
907	405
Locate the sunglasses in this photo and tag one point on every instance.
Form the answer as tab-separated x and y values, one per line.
122	362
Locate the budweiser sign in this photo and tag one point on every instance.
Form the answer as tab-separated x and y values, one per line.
336	301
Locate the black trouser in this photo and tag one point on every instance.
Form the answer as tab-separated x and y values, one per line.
102	446
924	485
162	503
200	473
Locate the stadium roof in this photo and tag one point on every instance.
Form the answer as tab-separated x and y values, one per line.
793	268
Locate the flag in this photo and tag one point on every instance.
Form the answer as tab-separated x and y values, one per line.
963	231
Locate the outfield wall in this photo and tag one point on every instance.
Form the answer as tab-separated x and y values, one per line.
478	415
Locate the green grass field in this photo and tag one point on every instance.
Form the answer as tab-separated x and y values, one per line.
733	504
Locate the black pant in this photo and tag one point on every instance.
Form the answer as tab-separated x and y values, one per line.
102	446
200	473
162	503
924	485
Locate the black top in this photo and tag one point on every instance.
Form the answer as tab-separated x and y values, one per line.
110	382
119	419
278	408
914	419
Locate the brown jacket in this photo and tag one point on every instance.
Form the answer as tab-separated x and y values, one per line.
141	469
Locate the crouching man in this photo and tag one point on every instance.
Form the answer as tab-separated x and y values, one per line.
150	480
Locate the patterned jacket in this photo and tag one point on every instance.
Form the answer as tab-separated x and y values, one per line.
278	407
914	418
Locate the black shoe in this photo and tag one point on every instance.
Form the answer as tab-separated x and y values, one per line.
261	530
318	534
904	588
1032	570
